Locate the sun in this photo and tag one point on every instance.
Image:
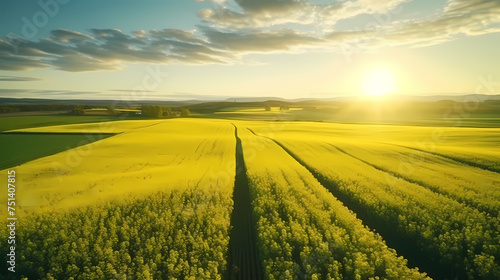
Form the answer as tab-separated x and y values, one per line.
379	82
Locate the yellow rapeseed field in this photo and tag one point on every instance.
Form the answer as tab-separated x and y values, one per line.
147	156
326	199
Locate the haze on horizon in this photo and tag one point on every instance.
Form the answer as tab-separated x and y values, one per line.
62	49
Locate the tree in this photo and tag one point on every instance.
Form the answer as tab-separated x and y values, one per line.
167	111
185	112
77	111
267	108
8	109
111	110
150	111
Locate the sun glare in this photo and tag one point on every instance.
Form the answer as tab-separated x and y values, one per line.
379	82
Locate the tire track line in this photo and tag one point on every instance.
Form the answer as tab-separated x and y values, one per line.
457	160
243	258
403	245
419	183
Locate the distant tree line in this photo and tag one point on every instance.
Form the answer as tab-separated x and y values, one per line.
148	111
40	107
153	111
76	111
8	109
282	108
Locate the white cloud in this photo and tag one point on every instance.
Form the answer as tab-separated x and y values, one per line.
17	79
472	18
265	13
109	49
257	41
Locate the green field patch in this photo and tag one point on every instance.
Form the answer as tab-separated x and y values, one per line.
92	128
10	123
253	109
333	115
242	109
18	148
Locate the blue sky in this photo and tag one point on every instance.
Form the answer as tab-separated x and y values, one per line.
126	15
182	49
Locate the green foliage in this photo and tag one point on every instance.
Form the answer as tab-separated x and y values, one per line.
155	112
111	110
185	112
150	111
9	109
267	108
77	111
12	108
167	111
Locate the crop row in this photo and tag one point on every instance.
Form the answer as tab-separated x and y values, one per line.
461	241
303	231
181	234
469	185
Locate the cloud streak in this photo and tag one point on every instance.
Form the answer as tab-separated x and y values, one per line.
460	17
17	79
108	49
35	93
129	90
266	13
8	90
242	42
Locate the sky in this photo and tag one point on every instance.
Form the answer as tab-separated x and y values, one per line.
204	49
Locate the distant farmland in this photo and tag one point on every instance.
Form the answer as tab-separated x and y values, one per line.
233	199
